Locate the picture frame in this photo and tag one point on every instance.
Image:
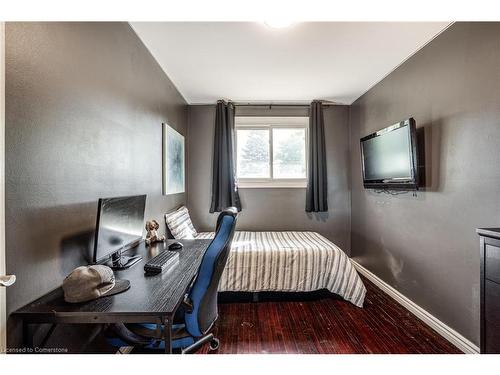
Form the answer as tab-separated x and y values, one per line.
173	160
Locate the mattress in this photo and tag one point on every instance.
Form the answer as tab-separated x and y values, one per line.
289	262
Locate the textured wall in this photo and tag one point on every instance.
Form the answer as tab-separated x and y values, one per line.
273	209
426	246
84	107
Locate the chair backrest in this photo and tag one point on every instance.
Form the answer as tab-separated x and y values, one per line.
203	294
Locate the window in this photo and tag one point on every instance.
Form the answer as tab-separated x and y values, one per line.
271	151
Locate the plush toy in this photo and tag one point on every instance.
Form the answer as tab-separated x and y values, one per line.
152	235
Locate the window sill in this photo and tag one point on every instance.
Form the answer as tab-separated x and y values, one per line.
272	185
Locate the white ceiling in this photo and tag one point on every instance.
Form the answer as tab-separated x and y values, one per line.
251	62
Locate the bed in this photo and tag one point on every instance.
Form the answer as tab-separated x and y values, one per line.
289	262
279	261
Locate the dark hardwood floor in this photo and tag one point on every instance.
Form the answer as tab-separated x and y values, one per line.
325	325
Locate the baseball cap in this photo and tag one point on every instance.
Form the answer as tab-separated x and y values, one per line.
86	283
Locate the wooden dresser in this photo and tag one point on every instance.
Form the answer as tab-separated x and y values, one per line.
490	289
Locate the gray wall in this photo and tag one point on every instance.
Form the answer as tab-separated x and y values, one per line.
84	107
426	246
273	209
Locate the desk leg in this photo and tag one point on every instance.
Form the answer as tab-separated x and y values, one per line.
28	334
167	334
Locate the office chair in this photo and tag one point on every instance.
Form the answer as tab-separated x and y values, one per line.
198	312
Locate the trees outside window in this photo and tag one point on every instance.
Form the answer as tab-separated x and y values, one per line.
271	152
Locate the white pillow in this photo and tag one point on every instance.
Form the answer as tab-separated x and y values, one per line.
180	224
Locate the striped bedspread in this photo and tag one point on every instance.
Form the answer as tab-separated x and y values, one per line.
289	262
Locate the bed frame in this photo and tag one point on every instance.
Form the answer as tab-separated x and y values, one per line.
231	297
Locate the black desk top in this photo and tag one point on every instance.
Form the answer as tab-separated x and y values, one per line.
148	296
489	232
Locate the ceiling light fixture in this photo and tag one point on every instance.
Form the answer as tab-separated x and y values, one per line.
278	24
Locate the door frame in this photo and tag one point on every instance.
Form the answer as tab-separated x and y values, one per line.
3	302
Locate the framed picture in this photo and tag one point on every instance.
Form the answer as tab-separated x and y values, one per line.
173	161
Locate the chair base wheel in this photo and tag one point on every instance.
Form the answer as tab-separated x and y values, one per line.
214	344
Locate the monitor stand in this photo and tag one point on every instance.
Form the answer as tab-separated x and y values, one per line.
121	262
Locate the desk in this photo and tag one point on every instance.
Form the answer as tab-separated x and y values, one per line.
150	299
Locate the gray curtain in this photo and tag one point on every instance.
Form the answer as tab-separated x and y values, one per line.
317	186
224	191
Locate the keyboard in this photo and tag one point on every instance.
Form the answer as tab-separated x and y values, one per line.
163	261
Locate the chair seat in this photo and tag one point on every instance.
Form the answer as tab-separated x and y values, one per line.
180	338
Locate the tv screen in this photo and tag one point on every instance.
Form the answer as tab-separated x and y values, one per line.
120	222
389	157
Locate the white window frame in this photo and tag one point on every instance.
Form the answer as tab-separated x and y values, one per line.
270	123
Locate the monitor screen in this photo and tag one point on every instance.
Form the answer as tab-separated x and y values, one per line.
388	156
120	222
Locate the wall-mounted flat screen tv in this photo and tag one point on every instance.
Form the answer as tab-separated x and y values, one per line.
389	157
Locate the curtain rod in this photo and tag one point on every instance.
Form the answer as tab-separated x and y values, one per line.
236	104
246	104
270	105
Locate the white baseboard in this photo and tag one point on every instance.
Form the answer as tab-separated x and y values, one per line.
448	333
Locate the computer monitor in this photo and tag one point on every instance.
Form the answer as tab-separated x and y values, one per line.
120	222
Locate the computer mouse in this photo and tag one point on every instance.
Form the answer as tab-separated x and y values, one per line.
175	246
